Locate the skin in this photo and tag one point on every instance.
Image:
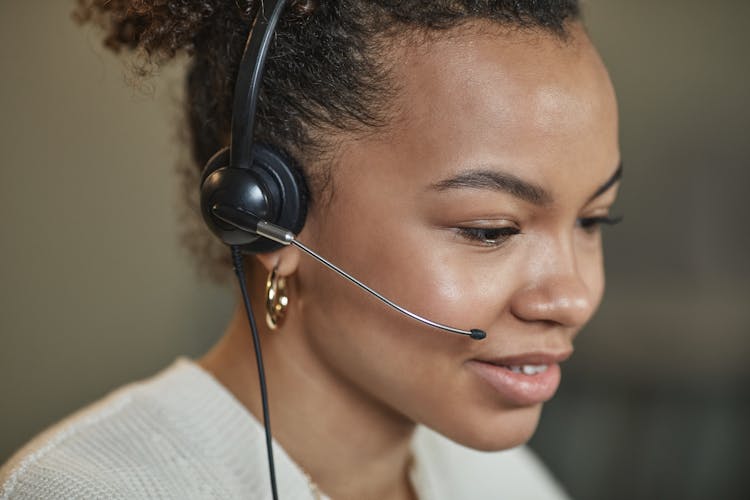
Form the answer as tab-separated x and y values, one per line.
524	104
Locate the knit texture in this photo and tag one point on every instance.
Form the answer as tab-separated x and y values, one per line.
182	435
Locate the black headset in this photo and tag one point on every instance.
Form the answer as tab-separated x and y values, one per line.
257	180
252	177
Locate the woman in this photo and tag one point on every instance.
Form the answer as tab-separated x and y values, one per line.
460	157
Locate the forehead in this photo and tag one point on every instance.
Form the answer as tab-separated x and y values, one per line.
495	96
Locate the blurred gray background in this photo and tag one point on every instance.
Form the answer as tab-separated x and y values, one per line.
96	291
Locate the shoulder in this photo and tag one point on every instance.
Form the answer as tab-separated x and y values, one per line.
448	470
127	445
52	460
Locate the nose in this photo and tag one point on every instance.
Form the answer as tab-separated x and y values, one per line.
557	292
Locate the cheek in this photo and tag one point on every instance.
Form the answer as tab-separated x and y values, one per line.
367	344
469	291
400	268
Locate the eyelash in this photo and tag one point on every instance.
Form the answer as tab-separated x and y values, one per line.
591	224
495	236
484	235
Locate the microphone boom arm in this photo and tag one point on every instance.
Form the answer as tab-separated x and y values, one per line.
252	224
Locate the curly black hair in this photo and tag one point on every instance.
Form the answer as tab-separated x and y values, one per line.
328	69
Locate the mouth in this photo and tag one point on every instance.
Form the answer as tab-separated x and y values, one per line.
526	369
522	380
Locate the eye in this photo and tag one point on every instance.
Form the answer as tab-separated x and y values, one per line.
488	236
592	224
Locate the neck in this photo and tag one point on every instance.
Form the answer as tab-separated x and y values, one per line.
351	445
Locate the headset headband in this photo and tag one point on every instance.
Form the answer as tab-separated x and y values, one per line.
249	78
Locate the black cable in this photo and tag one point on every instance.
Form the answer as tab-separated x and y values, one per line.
238	270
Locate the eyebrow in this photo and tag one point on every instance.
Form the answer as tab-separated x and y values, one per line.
508	183
610	182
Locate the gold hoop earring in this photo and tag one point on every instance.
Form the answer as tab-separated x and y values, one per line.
276	299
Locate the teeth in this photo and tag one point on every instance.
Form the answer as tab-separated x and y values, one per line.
528	369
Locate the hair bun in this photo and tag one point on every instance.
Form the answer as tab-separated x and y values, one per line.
161	28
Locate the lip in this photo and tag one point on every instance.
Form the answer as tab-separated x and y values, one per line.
517	388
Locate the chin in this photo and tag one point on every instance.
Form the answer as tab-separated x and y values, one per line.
501	430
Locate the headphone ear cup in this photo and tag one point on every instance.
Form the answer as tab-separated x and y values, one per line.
273	189
218	160
288	193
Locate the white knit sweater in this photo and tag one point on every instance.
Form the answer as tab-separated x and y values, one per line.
182	435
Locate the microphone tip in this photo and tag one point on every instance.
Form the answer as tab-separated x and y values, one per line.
477	334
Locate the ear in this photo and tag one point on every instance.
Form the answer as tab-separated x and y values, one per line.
286	258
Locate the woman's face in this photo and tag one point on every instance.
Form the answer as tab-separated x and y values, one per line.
472	209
